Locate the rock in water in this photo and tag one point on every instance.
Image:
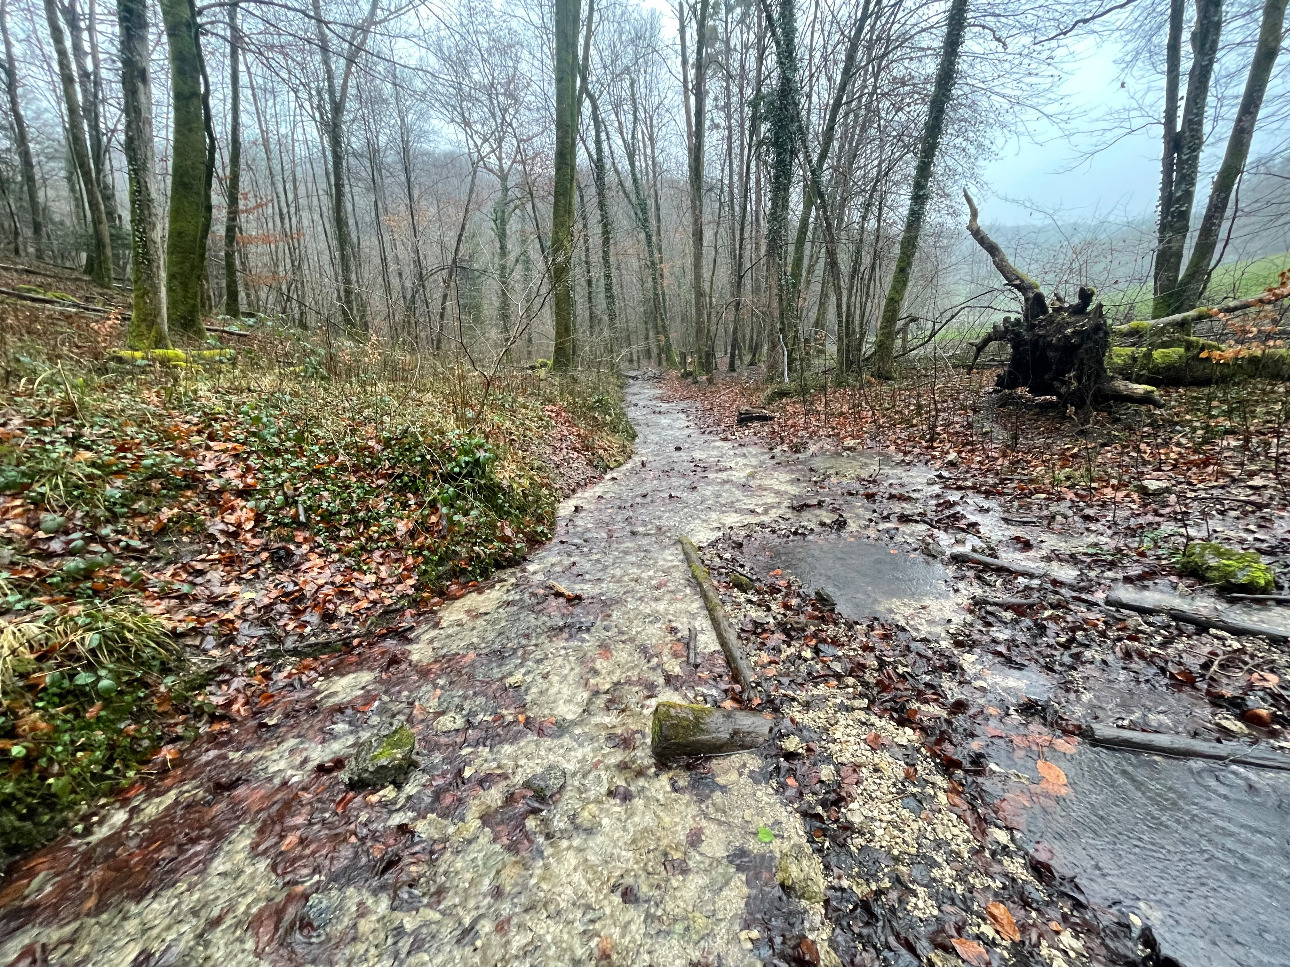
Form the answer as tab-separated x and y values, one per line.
383	760
1240	571
546	783
687	730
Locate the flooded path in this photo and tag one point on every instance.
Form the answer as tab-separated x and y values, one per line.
253	851
536	828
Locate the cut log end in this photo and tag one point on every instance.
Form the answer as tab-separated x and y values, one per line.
680	731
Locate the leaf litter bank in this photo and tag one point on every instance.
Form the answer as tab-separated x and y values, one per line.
181	543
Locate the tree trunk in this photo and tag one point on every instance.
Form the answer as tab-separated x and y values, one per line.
826	143
885	343
695	83
1196	277
602	207
26	162
148	329
208	180
232	295
185	266
566	111
102	247
782	134
1169	118
1175	222
353	316
91	103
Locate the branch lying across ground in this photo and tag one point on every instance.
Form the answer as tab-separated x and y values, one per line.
1267	298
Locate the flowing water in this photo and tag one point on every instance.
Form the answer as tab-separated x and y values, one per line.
250	852
1198	851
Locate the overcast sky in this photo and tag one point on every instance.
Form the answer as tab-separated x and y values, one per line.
1059	174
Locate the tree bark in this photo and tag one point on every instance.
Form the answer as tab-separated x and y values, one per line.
782	133
562	211
678	731
1175	222
1196	277
695	82
885	343
185	265
102	235
352	314
602	207
148	328
1169	116
91	103
233	200
26	162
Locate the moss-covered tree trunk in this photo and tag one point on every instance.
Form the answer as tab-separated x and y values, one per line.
885	343
22	143
101	251
185	265
696	92
598	178
562	211
148	328
1175	219
233	200
781	130
1194	279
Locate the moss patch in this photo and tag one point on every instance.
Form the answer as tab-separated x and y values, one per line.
384	760
1241	571
172	357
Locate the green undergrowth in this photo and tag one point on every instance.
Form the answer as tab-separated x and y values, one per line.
392	478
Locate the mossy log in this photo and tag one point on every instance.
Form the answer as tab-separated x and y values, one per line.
1182	361
726	636
680	730
1058	349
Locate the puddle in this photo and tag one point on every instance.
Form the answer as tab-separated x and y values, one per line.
1196	850
870	580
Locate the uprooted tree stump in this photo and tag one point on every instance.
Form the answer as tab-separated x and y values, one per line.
1058	348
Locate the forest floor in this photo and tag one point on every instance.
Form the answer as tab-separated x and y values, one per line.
182	542
474	784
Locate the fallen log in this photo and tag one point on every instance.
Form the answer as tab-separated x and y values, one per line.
752	414
680	730
726	636
1027	570
44	300
1235	626
1181	747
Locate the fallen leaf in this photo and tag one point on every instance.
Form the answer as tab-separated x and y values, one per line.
1052	772
1001	917
1265	680
972	952
1260	717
